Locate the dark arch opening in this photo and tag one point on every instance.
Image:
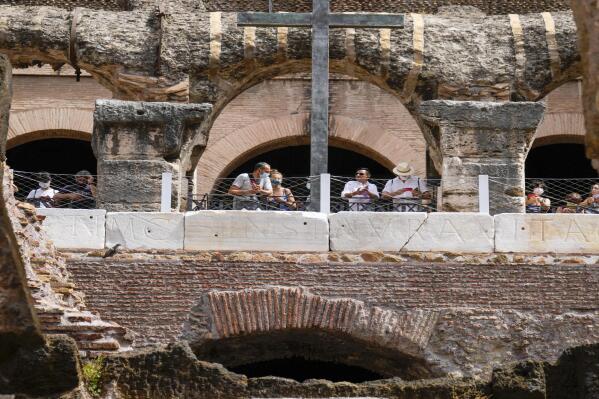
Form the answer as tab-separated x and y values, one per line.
559	161
295	161
62	156
301	369
304	354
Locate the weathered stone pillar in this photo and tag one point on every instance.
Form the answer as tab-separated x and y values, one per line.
586	14
135	142
482	138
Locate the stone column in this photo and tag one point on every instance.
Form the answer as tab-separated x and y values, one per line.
135	142
482	138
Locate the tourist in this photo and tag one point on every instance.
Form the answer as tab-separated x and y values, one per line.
406	190
281	197
572	204
591	204
249	187
535	203
42	197
82	194
360	193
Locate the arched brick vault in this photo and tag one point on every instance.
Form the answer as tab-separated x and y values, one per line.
226	315
40	123
275	114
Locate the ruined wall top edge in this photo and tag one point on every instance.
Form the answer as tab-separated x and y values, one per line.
490	7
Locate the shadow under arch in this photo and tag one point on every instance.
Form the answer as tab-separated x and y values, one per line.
47	134
237	328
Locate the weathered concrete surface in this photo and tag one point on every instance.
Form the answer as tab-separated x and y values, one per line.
256	231
586	13
411	231
454	232
141	56
75	228
546	233
135	142
481	138
373	231
151	230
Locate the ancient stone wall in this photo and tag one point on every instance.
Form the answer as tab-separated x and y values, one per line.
587	20
489	7
504	305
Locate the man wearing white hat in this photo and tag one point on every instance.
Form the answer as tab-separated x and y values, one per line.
406	190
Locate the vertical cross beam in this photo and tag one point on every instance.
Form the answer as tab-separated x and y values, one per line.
319	121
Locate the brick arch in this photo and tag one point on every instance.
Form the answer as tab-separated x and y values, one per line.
226	314
26	126
226	154
559	128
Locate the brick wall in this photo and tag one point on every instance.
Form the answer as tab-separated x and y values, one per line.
153	297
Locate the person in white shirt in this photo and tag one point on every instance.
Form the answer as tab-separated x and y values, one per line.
406	190
42	197
360	192
248	187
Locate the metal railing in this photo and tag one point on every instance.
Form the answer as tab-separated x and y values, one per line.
219	199
559	196
64	190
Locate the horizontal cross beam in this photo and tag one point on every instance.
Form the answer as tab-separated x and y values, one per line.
265	19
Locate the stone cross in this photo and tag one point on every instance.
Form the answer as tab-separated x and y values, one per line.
320	20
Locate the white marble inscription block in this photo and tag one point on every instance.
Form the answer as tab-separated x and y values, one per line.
75	228
138	230
459	232
559	232
256	231
373	231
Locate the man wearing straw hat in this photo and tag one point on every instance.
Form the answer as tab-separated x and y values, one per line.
406	190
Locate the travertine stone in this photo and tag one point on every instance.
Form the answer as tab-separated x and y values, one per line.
459	232
5	100
547	233
75	228
135	142
587	20
373	231
482	138
256	231
151	230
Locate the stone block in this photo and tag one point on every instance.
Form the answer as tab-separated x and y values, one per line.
455	232
154	230
256	231
542	233
373	231
75	228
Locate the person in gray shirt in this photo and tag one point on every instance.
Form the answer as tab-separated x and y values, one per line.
248	187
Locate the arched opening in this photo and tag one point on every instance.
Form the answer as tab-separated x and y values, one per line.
61	157
559	161
303	354
56	155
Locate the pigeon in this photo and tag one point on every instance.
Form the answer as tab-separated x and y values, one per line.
111	251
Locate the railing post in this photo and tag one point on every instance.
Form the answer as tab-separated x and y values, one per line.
167	192
483	194
325	193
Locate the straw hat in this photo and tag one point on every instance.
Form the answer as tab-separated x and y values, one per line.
403	169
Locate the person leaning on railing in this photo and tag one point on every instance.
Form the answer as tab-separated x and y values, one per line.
81	195
247	187
360	193
281	197
591	204
42	197
535	203
406	190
